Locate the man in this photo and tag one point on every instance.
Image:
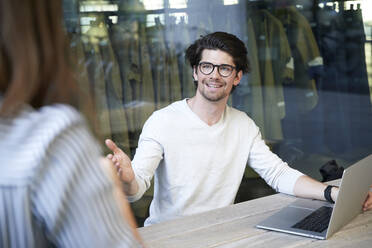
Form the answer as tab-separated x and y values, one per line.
198	148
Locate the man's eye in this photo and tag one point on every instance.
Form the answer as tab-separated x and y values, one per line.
225	68
207	66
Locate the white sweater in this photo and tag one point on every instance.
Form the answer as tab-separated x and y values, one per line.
199	167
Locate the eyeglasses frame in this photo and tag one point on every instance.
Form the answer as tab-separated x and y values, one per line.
218	68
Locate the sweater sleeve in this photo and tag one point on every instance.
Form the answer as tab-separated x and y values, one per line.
270	167
148	155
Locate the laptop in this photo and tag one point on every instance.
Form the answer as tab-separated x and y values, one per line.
354	187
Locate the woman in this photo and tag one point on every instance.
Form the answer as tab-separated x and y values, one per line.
53	189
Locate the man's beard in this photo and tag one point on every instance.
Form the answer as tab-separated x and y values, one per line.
213	97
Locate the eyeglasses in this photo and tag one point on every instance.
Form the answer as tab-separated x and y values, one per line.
224	70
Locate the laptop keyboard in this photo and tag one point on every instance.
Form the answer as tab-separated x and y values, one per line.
317	221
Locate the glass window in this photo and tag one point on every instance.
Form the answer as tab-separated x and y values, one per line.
309	89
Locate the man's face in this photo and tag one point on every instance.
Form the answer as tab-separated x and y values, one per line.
214	87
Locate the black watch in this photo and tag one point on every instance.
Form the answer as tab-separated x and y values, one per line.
327	193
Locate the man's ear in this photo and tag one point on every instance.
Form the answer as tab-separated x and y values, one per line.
194	73
238	77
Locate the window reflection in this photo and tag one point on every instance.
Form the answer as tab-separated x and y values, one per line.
153	4
230	2
310	86
311	64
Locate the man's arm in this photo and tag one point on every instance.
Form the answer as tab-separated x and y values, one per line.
307	187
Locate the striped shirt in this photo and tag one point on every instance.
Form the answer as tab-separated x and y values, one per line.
53	192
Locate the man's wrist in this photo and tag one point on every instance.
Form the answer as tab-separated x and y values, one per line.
330	193
130	188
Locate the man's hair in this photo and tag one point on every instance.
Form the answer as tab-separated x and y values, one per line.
219	41
34	68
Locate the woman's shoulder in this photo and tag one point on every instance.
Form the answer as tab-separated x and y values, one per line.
58	114
33	136
38	128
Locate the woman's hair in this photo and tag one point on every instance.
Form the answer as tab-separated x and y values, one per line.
222	41
34	65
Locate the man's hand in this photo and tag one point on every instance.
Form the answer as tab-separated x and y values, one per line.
121	162
368	202
367	205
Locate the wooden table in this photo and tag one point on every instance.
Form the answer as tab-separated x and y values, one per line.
234	226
